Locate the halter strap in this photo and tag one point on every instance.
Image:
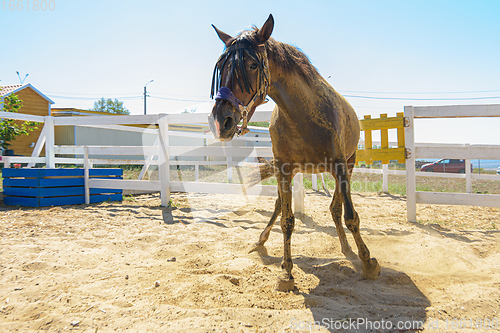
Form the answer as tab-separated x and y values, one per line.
246	111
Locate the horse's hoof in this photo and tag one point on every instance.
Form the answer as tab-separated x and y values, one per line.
253	247
371	270
285	285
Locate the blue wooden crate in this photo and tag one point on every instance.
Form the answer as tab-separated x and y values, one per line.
55	187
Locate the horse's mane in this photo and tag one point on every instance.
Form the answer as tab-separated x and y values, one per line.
287	57
290	59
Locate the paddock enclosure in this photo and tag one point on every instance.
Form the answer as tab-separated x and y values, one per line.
139	265
96	266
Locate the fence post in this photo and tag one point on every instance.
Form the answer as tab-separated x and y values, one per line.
197	171
314	178
401	136
163	160
6	161
411	203
50	162
368	140
385	178
298	193
229	163
468	174
39	145
86	174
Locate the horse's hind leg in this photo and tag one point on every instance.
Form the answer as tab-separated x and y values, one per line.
370	267
336	211
264	236
286	281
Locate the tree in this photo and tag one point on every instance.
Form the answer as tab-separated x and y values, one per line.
9	128
110	106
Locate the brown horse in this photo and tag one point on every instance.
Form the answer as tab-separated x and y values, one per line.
313	128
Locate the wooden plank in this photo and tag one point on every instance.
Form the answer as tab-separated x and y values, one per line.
368	124
368	144
125	184
370	155
384	137
202	118
298	193
221	151
105	197
411	206
465	199
61	201
401	137
457	111
108	150
21	191
54	182
21	201
44	192
439	174
61	172
108	120
163	158
49	143
483	152
12	172
265	190
105	172
21	116
21	182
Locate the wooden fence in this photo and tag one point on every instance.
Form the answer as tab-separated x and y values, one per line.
405	147
464	151
162	149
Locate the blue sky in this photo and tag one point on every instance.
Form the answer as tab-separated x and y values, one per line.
84	50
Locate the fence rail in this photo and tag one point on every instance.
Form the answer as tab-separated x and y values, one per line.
465	151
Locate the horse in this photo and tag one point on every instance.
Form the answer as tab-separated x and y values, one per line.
313	129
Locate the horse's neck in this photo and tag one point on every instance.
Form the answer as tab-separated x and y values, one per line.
295	95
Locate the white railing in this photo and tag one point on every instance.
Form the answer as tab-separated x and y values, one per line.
158	154
465	151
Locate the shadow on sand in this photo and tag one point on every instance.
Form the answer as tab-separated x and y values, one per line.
344	302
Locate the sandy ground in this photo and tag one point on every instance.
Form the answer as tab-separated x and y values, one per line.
130	266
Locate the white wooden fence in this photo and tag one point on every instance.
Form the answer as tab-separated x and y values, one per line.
162	149
464	151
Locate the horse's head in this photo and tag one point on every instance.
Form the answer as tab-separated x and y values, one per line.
240	80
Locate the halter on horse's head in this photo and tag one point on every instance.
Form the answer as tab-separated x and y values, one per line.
240	81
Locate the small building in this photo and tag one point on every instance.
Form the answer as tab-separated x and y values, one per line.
33	103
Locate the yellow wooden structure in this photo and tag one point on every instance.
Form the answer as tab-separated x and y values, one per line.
385	153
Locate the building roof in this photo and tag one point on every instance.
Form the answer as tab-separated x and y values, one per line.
60	112
7	90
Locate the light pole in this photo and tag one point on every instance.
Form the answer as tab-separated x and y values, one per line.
145	94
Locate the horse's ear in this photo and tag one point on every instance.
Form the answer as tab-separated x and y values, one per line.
222	35
267	29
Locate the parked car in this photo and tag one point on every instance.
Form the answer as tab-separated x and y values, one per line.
498	171
446	165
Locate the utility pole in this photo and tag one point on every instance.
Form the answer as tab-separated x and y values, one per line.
145	95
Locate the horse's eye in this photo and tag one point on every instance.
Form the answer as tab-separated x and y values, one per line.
253	66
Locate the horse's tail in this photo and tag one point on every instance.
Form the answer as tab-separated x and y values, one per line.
266	169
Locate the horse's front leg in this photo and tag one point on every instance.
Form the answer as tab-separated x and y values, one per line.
286	282
264	236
